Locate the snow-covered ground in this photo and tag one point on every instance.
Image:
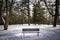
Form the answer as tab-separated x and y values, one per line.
19	26
14	32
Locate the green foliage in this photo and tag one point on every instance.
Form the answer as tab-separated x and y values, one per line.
38	15
20	14
17	20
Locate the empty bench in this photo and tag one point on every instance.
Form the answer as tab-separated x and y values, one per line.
30	30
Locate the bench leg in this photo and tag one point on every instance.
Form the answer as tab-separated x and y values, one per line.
23	34
38	34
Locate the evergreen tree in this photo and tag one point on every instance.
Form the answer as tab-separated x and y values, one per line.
25	4
38	15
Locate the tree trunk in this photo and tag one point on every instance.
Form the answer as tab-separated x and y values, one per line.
6	23
1	5
56	13
8	15
28	14
6	20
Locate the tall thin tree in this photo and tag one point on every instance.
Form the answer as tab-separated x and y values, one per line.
28	13
56	12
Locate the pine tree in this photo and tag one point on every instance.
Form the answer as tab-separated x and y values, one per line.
25	4
38	15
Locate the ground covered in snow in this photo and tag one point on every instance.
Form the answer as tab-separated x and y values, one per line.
14	32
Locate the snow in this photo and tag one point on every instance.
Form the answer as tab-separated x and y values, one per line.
17	26
14	32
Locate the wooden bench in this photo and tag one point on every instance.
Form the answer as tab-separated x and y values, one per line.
31	30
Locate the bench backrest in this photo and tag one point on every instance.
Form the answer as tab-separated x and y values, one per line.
30	29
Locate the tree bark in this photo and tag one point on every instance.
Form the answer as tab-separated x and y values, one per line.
1	5
8	15
28	14
6	20
6	23
56	13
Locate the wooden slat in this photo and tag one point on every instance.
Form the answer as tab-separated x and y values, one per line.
35	29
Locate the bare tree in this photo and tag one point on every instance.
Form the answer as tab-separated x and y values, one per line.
8	14
56	11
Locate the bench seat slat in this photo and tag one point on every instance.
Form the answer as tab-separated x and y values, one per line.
30	32
30	29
